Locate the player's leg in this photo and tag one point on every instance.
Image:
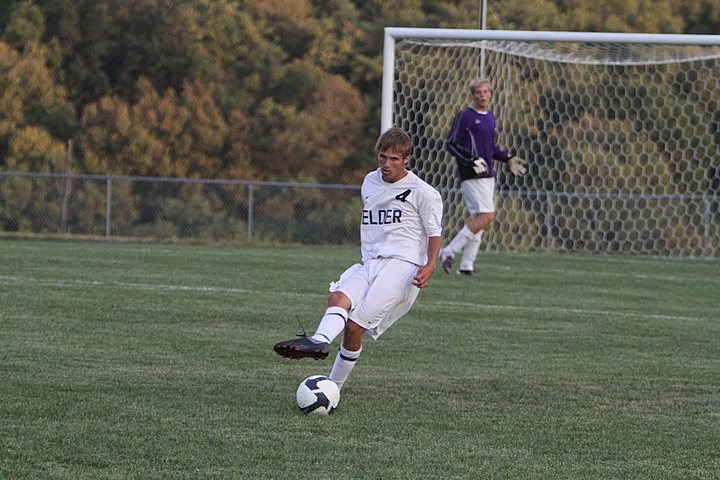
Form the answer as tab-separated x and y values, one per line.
352	284
458	243
480	222
467	263
348	354
333	322
479	199
391	285
471	191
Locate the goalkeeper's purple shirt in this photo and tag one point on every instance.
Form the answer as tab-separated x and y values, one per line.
473	135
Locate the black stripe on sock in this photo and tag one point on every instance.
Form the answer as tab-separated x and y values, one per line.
347	358
340	315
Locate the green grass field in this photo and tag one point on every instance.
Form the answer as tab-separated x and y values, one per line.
155	361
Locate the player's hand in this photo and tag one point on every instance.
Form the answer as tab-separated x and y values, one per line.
479	165
517	166
422	277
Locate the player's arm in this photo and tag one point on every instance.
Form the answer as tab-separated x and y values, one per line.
462	155
517	165
454	142
422	277
431	211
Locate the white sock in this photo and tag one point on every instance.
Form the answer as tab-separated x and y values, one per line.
470	252
331	324
344	363
458	243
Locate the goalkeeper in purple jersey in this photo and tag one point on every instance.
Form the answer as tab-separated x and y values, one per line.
472	141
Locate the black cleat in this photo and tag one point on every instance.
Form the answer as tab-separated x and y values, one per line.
467	272
302	348
447	261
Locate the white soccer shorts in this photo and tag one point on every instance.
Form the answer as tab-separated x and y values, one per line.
381	291
479	195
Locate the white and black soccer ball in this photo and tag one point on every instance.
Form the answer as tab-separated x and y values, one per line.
318	394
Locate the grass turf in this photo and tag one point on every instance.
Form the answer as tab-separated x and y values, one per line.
129	360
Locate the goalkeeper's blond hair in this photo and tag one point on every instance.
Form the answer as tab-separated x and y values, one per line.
476	82
395	139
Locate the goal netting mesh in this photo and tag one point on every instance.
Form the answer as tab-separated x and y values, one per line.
622	140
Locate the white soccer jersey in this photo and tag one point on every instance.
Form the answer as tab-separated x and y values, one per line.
398	218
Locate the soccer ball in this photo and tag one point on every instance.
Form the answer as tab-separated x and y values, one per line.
318	394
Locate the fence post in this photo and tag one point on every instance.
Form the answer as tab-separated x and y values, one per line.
251	198
548	221
108	205
706	224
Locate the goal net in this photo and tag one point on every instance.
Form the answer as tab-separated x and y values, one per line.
621	134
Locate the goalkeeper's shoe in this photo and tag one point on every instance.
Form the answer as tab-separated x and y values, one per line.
302	347
447	261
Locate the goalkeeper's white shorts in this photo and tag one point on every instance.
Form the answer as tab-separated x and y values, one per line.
479	194
381	291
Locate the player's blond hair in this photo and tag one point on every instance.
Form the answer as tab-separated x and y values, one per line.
476	82
395	139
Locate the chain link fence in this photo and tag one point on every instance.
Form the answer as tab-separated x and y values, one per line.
240	211
185	209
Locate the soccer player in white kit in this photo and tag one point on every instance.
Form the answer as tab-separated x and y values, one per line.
400	236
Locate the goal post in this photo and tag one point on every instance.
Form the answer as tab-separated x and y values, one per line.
621	131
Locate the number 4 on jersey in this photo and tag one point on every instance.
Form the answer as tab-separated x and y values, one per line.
402	196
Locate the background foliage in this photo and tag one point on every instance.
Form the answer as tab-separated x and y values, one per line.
283	90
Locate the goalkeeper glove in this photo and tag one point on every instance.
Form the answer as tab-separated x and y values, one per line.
479	166
517	165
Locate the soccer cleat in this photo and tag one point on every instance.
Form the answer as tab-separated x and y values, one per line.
302	348
466	272
447	261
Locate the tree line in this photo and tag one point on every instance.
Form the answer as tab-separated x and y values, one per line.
249	89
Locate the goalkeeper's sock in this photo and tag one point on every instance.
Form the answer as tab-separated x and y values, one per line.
470	252
331	324
344	363
460	240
